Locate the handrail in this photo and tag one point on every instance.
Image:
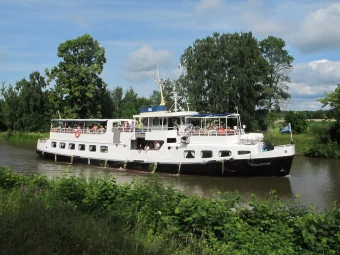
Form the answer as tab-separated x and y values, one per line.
201	132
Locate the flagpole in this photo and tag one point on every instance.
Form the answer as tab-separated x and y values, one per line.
291	134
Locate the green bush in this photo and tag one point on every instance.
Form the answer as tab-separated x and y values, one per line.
72	215
323	149
298	121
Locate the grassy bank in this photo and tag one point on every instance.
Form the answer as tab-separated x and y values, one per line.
72	215
303	142
22	137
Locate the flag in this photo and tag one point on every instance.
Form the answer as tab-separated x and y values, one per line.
286	129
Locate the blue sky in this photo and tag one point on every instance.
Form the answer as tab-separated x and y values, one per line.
138	35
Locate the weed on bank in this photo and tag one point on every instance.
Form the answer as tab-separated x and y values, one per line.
73	215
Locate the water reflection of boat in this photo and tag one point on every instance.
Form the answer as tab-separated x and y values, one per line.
175	141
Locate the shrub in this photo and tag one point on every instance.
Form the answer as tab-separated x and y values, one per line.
75	216
298	121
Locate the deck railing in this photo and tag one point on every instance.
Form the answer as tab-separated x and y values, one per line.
201	132
206	132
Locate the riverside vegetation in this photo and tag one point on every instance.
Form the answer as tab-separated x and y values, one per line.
75	215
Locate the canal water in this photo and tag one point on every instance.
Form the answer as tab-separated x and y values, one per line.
315	180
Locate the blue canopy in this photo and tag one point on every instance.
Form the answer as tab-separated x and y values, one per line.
212	115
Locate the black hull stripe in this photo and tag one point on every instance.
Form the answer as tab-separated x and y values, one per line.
279	166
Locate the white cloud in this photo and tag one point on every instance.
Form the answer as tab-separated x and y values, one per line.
146	59
204	5
310	81
317	73
256	16
300	104
319	31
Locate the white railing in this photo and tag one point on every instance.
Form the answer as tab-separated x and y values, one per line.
74	130
207	132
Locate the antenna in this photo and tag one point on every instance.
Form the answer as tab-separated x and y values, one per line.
160	83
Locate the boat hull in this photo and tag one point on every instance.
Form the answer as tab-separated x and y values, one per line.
270	166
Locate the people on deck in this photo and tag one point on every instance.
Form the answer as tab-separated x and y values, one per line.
132	126
175	124
140	125
101	130
157	145
140	148
94	128
146	148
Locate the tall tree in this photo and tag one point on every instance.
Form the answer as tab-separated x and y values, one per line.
222	73
25	106
2	119
117	95
333	101
10	106
78	88
132	103
107	105
275	76
33	107
155	97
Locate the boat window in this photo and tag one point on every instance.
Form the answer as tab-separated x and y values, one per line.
189	154
103	149
92	147
155	122
81	147
243	152
164	121
206	154
62	145
54	144
224	153
71	146
171	140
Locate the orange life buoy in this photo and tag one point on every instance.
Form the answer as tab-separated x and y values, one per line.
77	133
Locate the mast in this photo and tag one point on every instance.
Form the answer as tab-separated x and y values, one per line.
176	106
160	83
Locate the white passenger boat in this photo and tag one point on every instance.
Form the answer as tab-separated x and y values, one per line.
174	141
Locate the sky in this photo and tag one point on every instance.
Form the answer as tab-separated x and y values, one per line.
139	34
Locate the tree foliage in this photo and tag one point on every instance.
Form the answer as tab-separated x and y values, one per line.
333	101
275	76
10	106
297	120
222	73
79	90
25	105
2	118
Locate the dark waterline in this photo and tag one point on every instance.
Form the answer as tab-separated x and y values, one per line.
315	180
